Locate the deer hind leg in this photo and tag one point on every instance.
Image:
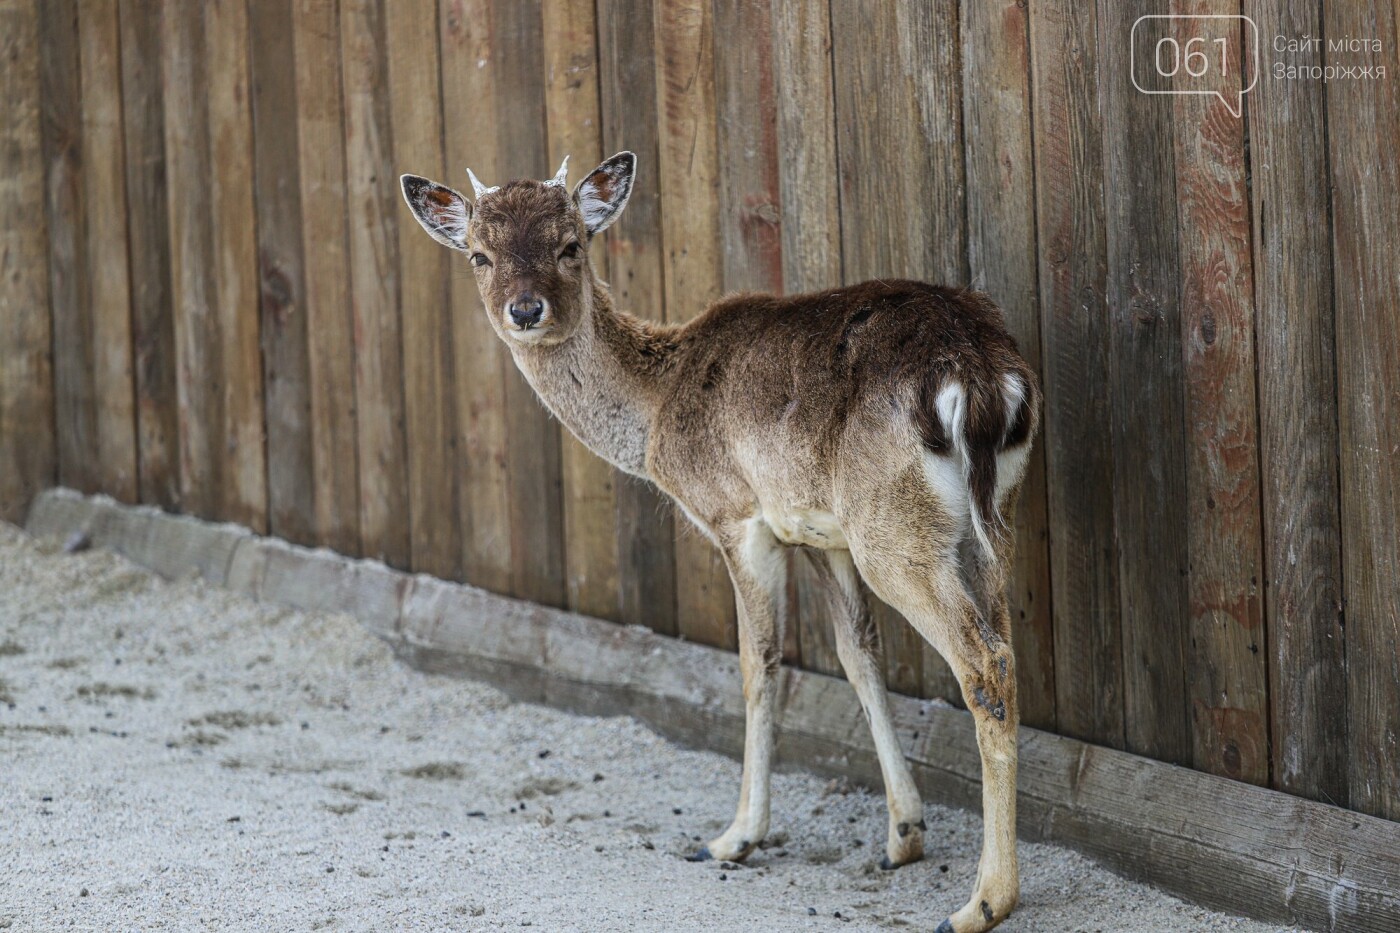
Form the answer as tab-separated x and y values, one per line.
858	647
759	571
925	584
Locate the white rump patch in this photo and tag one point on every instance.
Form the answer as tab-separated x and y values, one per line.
1011	467
951	405
945	477
1014	389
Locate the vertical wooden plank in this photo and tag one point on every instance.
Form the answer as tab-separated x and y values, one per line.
281	273
1297	420
689	173
574	128
374	284
1002	255
902	195
746	111
416	111
535	476
1227	676
627	87
148	246
199	376
243	489
105	255
27	461
1068	136
325	251
478	357
902	172
1145	375
750	203
1363	123
74	391
810	228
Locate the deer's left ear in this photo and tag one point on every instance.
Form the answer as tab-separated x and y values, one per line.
443	212
603	194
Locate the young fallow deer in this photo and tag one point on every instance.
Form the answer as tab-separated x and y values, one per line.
884	425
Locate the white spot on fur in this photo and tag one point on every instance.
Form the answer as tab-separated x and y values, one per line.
1011	467
763	557
951	405
948	481
1014	389
812	527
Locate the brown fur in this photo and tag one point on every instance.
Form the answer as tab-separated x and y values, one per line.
808	419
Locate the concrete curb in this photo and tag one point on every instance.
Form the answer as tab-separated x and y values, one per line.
1221	843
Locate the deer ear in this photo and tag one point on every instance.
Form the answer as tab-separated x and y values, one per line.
444	213
603	194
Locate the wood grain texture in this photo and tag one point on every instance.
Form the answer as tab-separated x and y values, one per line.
1068	143
809	213
74	390
689	171
1297	421
109	356
415	108
574	129
646	527
198	366
148	245
281	273
243	490
374	205
1363	123
1227	672
479	359
326	261
902	198
533	442
1146	384
1001	247
27	443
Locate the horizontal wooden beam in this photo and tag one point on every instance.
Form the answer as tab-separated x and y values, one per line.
1221	843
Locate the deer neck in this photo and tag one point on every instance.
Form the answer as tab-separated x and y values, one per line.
606	381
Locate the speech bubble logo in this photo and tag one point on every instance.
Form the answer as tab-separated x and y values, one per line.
1182	53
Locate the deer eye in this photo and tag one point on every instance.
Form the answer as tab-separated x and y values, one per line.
570	251
479	259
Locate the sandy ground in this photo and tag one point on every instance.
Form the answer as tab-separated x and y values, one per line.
173	757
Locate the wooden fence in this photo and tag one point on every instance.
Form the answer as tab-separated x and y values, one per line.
214	301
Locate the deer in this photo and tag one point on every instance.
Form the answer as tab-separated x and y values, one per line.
883	428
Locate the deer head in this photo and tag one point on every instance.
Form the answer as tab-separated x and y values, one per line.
528	243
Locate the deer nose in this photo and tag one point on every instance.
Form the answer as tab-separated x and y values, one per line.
526	311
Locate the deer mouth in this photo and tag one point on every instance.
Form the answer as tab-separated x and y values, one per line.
532	332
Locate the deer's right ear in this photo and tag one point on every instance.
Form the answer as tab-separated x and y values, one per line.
602	195
443	212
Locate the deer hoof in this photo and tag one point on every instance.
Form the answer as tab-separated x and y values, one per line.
700	855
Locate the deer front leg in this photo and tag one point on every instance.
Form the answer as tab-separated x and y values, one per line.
759	572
